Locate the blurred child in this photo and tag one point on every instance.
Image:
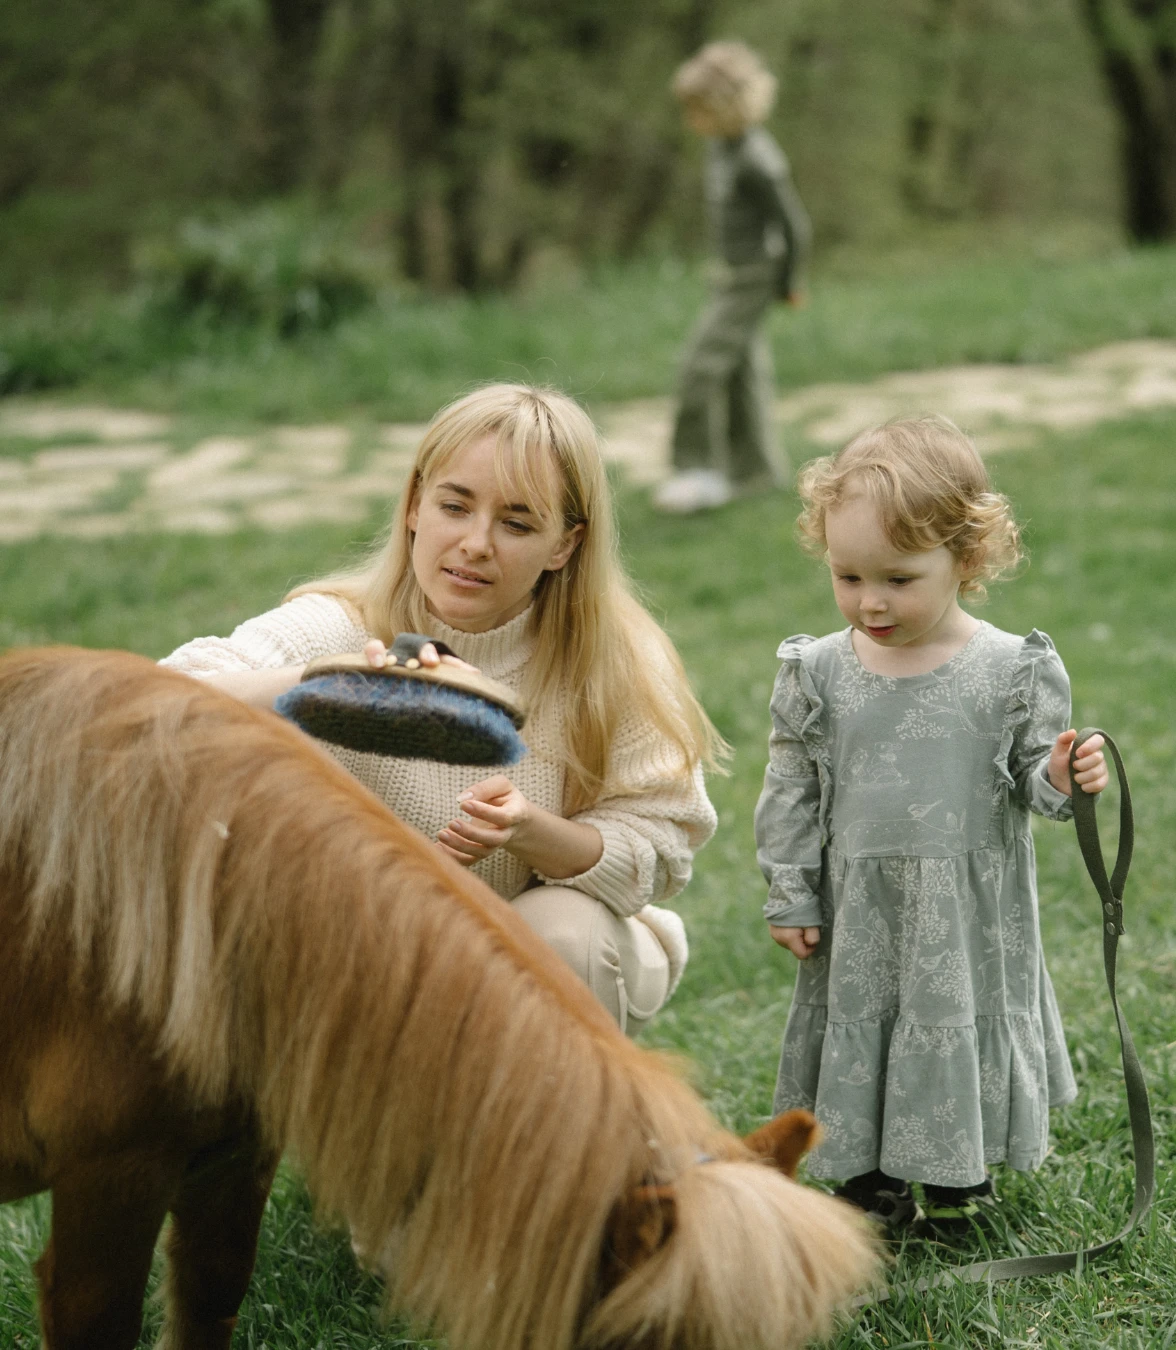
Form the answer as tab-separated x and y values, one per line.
722	438
907	751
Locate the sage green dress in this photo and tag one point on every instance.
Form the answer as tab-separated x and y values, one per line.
923	1032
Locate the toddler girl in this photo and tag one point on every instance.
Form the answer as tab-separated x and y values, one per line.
906	754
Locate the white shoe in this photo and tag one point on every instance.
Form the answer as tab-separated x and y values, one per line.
692	490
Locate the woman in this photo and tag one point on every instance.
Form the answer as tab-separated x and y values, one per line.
502	545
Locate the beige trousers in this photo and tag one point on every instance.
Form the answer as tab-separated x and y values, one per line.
620	960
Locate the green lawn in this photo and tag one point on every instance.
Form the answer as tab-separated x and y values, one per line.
1100	509
617	335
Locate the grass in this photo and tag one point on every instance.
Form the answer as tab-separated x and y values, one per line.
1100	509
615	336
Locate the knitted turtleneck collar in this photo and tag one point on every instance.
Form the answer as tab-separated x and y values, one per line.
496	653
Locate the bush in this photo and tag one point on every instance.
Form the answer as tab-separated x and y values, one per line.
269	268
35	354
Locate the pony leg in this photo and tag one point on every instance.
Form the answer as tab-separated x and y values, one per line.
93	1273
212	1243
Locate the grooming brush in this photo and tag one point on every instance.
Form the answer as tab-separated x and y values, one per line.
440	712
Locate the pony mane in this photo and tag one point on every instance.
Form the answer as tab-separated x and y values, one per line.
290	943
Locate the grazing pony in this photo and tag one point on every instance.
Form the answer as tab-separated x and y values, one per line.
215	945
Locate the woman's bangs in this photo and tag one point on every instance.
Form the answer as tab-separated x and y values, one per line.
528	472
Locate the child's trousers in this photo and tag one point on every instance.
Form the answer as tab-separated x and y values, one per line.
724	417
622	961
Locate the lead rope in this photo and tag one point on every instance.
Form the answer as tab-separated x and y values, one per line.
1138	1109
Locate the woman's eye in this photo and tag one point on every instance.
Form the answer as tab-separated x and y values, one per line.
454	508
518	527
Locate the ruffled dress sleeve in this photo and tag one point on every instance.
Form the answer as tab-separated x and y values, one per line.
1037	712
788	816
308	626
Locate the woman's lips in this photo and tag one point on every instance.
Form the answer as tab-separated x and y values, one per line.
465	578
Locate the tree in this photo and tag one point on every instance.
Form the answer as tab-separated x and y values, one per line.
1136	45
295	31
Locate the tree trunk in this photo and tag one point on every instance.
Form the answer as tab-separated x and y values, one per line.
1136	45
296	27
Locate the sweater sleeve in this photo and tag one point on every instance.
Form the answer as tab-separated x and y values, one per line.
770	181
651	831
652	817
308	626
787	816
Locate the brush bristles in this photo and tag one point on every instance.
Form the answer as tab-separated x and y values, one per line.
406	718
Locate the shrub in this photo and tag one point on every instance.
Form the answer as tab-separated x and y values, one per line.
270	267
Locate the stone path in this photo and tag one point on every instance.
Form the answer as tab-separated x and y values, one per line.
94	471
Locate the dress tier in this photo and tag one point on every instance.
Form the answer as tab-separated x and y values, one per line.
924	1032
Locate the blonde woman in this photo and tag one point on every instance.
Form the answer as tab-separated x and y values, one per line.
723	443
502	545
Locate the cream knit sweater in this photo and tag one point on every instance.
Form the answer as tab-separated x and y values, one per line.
651	829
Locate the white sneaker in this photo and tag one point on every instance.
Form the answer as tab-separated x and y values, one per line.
692	490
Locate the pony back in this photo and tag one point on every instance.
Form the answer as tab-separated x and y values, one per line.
452	1092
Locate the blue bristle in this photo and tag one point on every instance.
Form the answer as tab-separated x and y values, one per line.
405	717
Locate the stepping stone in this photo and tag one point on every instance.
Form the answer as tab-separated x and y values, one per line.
205	459
65	459
109	424
288	512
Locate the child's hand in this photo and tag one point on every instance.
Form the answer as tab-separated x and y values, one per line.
1090	768
797	299
494	810
801	942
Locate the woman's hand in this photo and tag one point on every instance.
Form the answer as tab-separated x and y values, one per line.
495	814
494	811
801	942
377	655
1090	767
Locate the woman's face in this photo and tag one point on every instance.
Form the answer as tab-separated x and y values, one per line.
478	550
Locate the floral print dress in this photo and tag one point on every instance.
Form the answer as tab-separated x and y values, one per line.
923	1032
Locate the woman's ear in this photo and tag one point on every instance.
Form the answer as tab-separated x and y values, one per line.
566	547
414	506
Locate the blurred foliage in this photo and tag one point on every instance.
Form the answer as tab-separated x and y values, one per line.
616	336
267	268
482	143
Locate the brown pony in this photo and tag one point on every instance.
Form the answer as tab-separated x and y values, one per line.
215	945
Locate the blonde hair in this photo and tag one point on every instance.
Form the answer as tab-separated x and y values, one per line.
227	928
730	82
931	488
597	649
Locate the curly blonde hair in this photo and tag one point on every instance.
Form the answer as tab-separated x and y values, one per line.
931	488
730	82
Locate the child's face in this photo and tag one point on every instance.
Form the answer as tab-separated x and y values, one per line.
478	549
702	119
895	599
